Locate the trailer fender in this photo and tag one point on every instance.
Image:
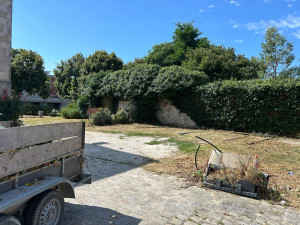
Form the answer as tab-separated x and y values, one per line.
15	197
66	190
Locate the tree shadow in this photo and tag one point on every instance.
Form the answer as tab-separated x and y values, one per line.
85	214
105	162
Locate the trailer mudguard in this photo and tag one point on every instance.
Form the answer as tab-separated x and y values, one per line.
16	197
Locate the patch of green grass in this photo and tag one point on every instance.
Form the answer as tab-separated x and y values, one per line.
140	134
184	146
155	142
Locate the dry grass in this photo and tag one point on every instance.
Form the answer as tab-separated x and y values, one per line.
277	155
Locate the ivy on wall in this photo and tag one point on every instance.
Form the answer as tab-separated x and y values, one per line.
268	106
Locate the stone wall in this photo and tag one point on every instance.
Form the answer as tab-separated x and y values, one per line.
5	44
168	114
127	105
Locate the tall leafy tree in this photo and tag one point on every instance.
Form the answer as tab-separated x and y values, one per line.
67	74
162	54
221	63
28	73
101	60
276	52
185	38
292	72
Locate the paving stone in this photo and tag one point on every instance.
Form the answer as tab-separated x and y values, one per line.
189	223
176	221
197	219
182	216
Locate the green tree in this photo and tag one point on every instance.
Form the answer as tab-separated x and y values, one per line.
101	60
67	74
293	72
162	55
28	73
276	52
221	63
185	37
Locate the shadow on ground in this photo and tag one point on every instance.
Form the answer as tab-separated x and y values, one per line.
77	214
104	162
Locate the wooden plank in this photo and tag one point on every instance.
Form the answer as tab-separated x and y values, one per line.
13	162
18	137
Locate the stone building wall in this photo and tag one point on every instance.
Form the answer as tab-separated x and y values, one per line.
5	44
168	114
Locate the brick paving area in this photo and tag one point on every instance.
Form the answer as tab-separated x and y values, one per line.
123	193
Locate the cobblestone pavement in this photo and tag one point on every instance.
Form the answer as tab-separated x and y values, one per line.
123	193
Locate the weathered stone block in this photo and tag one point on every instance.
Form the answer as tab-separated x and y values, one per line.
168	114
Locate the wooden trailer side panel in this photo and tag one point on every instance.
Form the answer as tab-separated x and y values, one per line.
13	162
19	137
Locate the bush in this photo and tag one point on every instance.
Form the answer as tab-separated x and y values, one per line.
45	108
10	107
72	111
30	109
268	106
83	104
101	117
174	79
121	117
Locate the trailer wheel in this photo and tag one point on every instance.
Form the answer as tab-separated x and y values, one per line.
45	209
9	220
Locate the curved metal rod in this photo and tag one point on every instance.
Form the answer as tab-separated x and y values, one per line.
199	148
209	143
196	158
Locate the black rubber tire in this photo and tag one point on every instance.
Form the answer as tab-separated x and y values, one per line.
38	206
9	220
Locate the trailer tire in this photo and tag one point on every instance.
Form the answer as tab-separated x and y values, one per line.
9	220
45	208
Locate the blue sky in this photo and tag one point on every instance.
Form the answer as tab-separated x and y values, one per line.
58	29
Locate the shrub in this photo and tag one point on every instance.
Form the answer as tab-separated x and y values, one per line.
268	106
72	111
83	104
45	108
121	117
30	109
174	79
10	107
101	117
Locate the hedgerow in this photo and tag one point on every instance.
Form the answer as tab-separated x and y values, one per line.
268	106
174	79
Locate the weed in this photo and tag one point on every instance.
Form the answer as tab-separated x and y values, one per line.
220	222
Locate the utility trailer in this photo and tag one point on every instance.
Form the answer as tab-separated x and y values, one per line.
39	167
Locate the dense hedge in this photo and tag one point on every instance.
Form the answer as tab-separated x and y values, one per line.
173	79
270	106
142	84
